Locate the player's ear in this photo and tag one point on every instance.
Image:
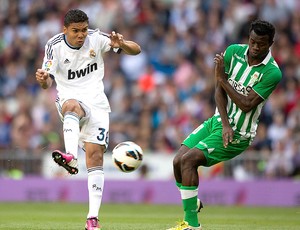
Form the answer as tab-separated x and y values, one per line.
65	30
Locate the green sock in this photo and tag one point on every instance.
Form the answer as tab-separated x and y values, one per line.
189	196
178	184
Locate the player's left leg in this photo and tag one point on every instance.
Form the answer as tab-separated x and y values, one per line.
94	163
94	135
92	224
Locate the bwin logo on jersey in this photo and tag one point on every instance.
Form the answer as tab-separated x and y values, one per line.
82	72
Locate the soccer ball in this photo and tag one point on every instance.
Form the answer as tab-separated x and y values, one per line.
127	156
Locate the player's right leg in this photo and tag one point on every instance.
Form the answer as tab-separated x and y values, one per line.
185	165
189	188
65	160
183	225
70	111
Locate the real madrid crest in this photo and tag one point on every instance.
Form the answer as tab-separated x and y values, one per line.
92	53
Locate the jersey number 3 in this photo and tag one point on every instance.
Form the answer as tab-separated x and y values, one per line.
103	135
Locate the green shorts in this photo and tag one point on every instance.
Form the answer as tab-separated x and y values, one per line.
208	138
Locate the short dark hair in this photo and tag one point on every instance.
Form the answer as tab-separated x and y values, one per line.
75	16
262	28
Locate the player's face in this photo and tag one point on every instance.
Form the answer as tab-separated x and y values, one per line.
76	33
258	46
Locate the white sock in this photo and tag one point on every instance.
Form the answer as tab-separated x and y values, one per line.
95	187
71	133
187	194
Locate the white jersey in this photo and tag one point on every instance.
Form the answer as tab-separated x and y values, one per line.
78	73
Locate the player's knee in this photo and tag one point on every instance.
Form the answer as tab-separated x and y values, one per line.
193	158
72	106
94	158
177	159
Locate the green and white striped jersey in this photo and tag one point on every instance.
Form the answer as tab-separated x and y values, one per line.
262	78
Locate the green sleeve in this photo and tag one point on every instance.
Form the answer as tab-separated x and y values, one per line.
268	83
227	57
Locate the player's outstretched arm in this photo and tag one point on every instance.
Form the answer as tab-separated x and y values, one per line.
129	47
43	78
221	103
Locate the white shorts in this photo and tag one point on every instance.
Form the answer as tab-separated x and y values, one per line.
94	126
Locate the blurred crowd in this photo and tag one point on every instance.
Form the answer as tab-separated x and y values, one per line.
157	97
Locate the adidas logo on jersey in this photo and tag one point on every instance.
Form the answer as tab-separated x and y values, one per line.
82	72
66	61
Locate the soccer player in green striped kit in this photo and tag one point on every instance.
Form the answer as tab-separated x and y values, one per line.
245	76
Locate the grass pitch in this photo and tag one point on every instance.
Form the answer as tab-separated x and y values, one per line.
66	216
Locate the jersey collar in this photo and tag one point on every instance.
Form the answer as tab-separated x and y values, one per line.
72	47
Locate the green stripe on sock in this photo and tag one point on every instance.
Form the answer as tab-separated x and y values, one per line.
178	184
188	187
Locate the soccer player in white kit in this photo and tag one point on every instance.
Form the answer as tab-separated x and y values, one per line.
73	59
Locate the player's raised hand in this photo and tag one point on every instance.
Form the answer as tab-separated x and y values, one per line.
42	77
219	67
116	40
129	47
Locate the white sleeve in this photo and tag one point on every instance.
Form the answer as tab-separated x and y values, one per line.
105	41
50	61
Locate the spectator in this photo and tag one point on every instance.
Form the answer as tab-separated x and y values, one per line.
280	163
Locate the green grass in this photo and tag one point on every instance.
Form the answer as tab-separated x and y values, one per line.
66	216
